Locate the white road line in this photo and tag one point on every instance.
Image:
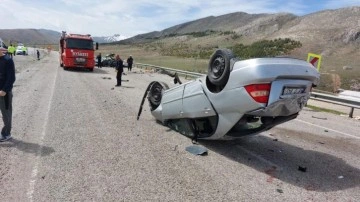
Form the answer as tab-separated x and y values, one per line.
329	129
34	172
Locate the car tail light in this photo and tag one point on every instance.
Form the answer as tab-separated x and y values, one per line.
259	92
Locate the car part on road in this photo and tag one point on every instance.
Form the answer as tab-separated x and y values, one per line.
197	150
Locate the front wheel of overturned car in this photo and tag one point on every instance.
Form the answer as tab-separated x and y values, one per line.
156	92
219	67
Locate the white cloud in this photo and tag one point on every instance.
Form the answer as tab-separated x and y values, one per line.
129	18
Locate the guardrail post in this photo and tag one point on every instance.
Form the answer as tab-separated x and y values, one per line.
351	112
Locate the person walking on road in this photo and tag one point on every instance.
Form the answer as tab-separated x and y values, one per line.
7	79
130	61
98	57
38	54
120	69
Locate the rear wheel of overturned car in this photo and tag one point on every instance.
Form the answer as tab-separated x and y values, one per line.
219	67
155	94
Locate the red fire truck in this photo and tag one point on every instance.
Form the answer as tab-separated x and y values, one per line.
77	51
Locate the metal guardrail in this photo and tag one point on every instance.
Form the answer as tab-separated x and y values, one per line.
333	99
180	72
337	100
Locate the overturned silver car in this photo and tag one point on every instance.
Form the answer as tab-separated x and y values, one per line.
235	98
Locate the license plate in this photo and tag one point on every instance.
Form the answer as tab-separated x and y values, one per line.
293	90
80	59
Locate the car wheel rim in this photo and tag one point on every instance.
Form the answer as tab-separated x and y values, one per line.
218	66
156	94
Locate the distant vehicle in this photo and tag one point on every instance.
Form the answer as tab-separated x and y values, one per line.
77	51
3	47
20	51
235	98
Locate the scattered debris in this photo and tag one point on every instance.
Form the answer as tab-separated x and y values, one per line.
275	140
175	148
302	169
197	150
106	77
326	130
322	118
280	191
271	150
271	134
112	88
43	177
341	177
321	142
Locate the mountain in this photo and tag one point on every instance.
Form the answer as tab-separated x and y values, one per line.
329	26
44	36
109	39
29	36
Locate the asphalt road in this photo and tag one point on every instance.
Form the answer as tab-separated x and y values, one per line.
76	138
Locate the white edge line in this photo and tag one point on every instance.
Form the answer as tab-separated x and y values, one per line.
336	131
34	172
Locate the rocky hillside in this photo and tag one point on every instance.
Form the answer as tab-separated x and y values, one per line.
330	26
29	36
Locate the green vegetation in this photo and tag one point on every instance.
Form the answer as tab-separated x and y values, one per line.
266	48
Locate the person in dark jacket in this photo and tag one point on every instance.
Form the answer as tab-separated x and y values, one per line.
120	69
38	54
7	79
130	61
98	57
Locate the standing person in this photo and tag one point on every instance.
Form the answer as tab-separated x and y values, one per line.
23	50
130	61
120	69
7	79
38	54
11	50
98	57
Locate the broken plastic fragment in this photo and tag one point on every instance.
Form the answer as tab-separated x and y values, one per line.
197	150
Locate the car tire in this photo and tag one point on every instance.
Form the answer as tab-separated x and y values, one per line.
156	92
219	67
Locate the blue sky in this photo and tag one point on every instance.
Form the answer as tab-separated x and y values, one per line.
129	18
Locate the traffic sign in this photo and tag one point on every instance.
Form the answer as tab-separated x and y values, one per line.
315	60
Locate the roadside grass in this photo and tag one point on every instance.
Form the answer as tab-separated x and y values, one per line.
152	57
320	109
